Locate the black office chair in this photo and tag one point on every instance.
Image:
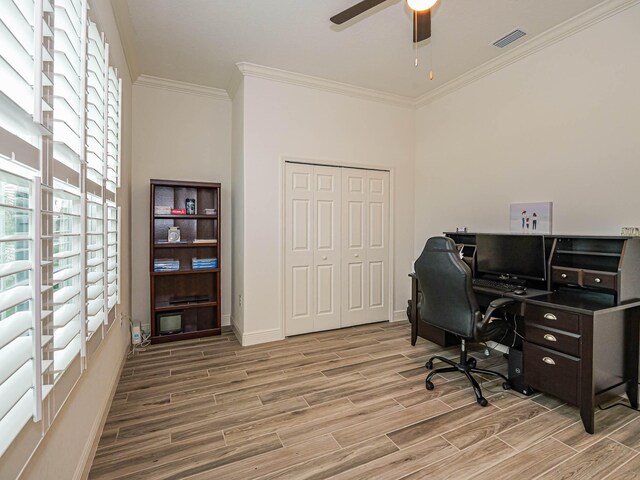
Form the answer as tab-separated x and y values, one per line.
449	302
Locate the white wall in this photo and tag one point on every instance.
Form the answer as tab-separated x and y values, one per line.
560	125
282	120
68	446
178	135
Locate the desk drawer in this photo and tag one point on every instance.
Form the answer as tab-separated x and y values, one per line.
599	279
565	275
550	317
559	340
551	372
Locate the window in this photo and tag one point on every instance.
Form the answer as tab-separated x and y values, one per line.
16	305
60	104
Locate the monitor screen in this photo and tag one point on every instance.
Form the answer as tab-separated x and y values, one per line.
169	323
518	256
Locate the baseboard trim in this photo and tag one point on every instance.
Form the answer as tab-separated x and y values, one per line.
262	336
86	460
226	320
399	315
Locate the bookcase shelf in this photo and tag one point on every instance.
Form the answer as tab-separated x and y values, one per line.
188	217
196	318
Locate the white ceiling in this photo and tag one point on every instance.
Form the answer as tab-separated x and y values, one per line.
200	41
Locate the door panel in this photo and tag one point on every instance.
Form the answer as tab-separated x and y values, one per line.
327	255
378	245
299	265
301	292
354	266
301	225
376	284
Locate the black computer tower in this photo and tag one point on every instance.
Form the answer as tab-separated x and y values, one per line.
516	373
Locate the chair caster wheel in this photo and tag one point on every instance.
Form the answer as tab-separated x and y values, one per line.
429	385
506	386
472	362
483	402
429	365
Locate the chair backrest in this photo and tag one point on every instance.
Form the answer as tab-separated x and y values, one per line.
448	300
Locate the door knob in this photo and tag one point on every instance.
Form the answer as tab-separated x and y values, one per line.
356	255
324	258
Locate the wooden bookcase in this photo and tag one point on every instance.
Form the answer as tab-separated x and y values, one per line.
194	294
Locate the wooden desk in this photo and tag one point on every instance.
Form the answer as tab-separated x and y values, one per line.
577	345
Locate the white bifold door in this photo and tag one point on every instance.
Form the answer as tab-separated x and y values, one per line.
337	235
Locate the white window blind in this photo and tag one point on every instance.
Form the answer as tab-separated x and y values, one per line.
113	132
60	105
17	52
112	255
96	268
68	98
67	271
96	93
17	319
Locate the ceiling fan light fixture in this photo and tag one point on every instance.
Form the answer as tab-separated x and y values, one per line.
421	5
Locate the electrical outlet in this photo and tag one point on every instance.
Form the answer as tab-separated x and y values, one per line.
240	300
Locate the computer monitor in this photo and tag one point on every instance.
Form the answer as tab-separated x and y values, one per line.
169	323
515	256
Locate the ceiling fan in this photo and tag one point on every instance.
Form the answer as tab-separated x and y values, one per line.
421	15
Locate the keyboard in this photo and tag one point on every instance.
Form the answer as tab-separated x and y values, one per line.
494	284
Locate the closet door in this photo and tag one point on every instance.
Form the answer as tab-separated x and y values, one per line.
299	252
313	248
377	246
365	249
354	251
327	205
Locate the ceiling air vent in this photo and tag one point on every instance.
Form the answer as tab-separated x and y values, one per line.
509	38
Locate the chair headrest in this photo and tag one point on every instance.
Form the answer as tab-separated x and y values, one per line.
441	244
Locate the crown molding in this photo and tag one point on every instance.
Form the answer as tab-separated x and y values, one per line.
594	15
291	78
181	87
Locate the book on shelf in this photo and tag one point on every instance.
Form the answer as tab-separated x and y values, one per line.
166	242
206	240
204	263
166	265
162	210
178	211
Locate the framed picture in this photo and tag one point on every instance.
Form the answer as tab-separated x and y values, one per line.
530	218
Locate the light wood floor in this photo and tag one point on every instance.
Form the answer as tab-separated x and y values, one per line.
347	404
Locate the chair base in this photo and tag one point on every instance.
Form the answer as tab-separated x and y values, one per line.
467	367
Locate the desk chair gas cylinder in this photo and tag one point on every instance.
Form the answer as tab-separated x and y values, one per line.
449	302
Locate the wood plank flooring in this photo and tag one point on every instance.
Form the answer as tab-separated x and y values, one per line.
344	404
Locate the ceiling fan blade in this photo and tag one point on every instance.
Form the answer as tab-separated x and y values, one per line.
421	25
354	11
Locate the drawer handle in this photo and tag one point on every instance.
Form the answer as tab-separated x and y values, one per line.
550	337
548	360
550	316
564	275
597	280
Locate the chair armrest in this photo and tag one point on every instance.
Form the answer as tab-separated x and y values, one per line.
496	305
